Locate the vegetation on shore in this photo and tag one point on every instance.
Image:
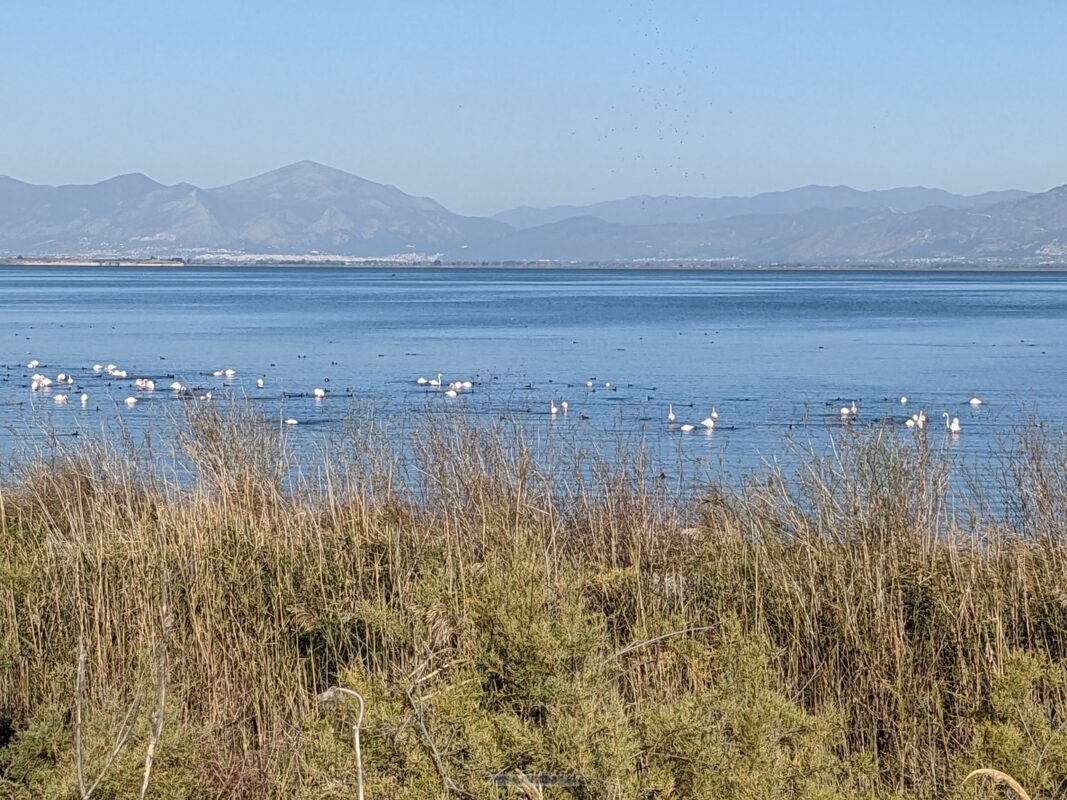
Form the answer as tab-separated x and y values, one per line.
857	626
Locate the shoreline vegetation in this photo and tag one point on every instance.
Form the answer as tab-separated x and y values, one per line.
176	613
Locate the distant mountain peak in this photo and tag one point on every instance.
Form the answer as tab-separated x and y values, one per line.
130	180
309	167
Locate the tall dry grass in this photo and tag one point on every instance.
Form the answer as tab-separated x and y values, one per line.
864	624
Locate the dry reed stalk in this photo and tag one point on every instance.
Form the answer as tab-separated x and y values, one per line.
1000	777
871	593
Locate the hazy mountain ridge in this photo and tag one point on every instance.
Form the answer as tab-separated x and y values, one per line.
307	208
665	209
1033	228
301	208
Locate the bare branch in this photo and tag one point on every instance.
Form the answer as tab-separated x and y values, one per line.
156	718
333	694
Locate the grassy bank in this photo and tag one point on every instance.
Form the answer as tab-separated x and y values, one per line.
851	628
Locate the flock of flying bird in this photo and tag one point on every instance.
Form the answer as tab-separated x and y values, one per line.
42	383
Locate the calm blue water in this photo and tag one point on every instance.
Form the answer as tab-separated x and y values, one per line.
768	349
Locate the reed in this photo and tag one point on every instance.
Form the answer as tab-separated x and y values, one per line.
522	618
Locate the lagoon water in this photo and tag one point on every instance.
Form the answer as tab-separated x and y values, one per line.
771	350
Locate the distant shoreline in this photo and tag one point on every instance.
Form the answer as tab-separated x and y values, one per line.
90	261
385	263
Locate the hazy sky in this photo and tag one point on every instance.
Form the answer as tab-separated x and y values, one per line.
488	105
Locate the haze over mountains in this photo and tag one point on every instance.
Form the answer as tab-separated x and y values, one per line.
307	208
648	210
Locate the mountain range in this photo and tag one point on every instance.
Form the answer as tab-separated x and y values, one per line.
649	210
303	208
310	209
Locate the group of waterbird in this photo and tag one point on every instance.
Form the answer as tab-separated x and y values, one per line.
63	380
687	427
452	390
918	421
43	383
952	423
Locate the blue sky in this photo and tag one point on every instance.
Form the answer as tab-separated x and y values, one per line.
493	104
